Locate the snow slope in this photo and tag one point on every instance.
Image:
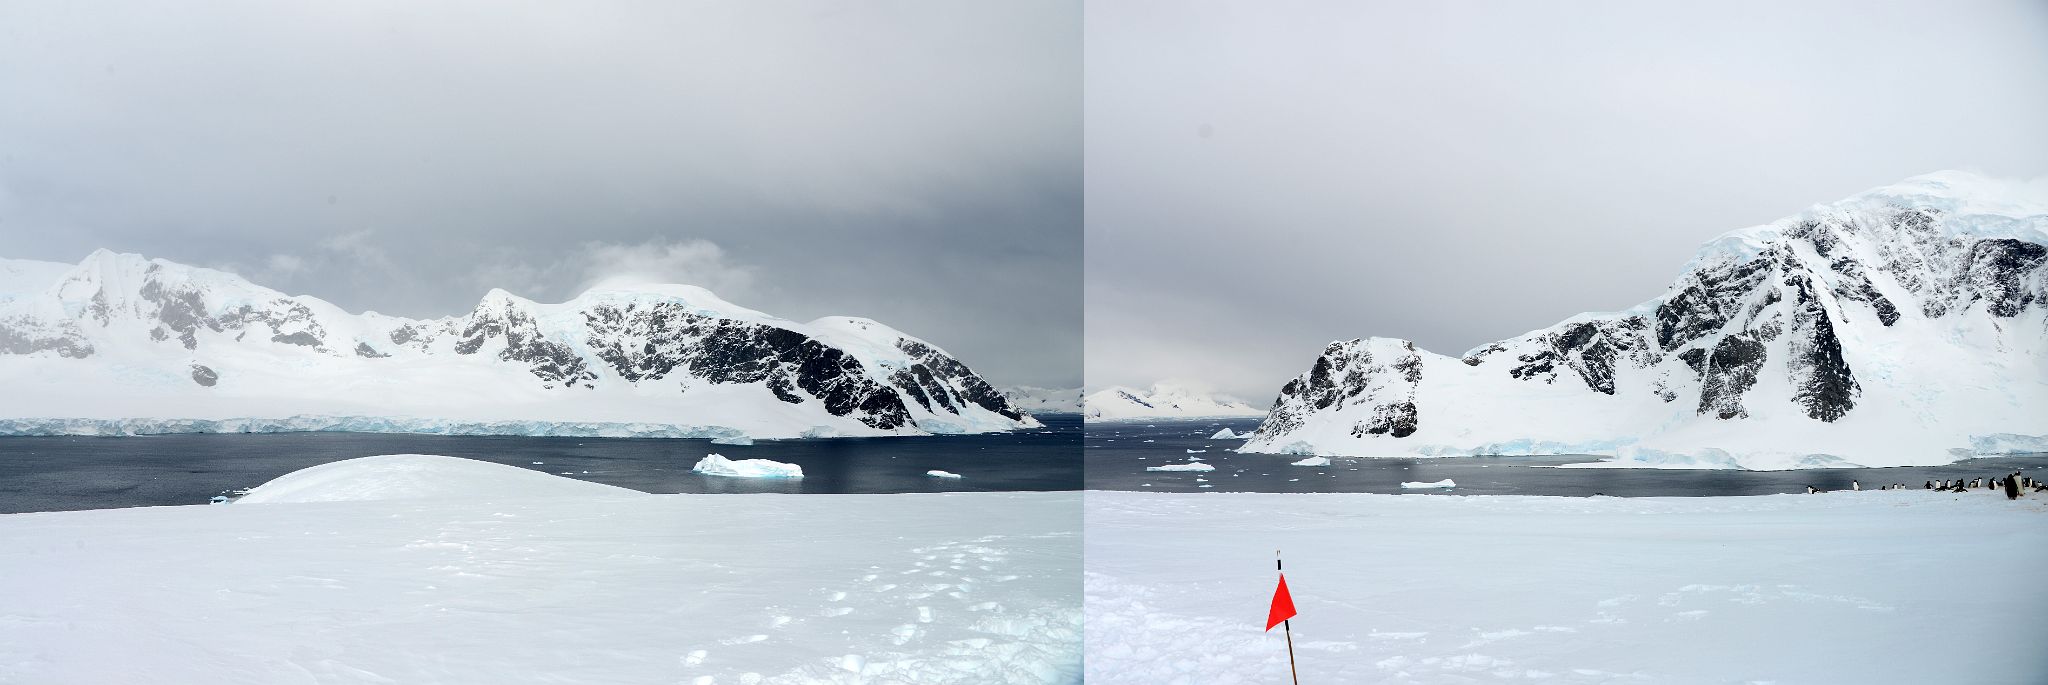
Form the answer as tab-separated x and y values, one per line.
1906	325
1161	401
1865	587
1033	399
121	344
503	581
419	476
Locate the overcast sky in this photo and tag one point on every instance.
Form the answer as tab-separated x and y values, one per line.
913	162
1263	178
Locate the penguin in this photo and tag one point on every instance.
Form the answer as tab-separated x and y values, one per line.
1811	490
1853	485
1928	486
2012	488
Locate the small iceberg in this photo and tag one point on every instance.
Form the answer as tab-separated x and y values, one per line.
1196	451
935	473
1313	461
741	440
718	465
1194	466
1415	485
1227	434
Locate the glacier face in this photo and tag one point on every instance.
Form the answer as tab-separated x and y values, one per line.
122	344
1905	325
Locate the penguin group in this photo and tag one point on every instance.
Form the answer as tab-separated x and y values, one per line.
2013	485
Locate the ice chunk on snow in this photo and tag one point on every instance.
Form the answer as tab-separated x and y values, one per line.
417	476
718	465
1445	483
733	440
935	473
1313	461
1193	466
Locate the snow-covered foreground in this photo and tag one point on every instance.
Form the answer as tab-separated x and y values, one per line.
532	578
1869	587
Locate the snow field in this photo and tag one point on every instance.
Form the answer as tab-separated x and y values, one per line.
1869	587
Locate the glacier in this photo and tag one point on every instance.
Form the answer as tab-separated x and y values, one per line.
120	344
1906	325
1163	400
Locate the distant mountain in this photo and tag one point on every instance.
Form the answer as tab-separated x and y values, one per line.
1905	325
120	343
1162	401
1044	400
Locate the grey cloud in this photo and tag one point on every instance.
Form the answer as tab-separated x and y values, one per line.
1263	178
914	162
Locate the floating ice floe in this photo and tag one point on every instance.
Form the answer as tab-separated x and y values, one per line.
1225	434
935	473
1313	461
1418	485
1196	451
1192	466
718	465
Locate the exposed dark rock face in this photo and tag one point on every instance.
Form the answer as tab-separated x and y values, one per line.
1378	374
550	361
1731	369
1997	275
1821	380
364	350
20	335
203	375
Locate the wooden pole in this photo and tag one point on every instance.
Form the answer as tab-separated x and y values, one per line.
1287	628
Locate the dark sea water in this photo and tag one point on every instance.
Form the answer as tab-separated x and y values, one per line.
69	473
1118	454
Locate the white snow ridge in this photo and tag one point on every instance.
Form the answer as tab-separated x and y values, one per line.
423	569
1907	325
1162	401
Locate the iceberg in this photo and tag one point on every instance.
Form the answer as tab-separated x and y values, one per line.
935	473
1193	466
1227	434
718	465
1312	461
733	440
1415	485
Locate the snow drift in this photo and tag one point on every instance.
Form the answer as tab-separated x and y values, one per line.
121	344
1907	325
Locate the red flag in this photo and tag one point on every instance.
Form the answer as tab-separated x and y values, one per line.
1283	605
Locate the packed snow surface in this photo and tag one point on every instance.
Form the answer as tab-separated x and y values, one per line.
1162	401
1192	466
515	583
718	465
1312	461
936	473
419	476
1858	587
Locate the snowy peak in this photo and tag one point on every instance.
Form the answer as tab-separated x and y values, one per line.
1888	309
1162	400
853	375
1044	400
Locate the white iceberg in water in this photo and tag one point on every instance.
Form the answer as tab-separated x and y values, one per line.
718	465
1313	461
935	473
1196	451
1227	434
733	440
1414	485
1195	466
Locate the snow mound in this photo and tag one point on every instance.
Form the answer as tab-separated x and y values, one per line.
935	473
1225	434
1416	485
1313	461
718	465
1196	466
419	476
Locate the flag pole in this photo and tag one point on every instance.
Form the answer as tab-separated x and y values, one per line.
1287	628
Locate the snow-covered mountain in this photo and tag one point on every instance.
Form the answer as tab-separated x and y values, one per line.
1038	400
1905	325
119	343
1161	401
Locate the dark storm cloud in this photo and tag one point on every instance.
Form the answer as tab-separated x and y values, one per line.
1264	178
914	162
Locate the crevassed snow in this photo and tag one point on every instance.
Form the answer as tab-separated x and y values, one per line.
420	476
935	473
1835	588
1193	466
718	465
1161	401
507	588
1418	485
1312	461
